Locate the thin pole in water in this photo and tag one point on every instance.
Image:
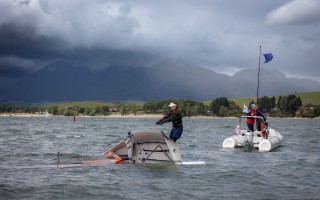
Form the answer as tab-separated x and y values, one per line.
87	151
58	158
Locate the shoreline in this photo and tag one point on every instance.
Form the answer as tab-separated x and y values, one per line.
99	116
126	116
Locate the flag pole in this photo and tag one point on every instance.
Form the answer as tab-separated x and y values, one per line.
258	76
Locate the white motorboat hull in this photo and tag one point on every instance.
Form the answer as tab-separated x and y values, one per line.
274	140
262	144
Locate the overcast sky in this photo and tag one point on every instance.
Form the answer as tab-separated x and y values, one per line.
222	35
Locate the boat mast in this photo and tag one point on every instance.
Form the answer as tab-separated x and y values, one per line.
258	76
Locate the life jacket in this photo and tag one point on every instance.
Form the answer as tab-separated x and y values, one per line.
263	133
249	119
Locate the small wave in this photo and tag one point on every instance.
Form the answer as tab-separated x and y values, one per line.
7	191
78	136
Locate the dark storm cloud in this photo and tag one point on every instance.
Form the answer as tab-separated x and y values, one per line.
15	67
22	41
221	35
98	59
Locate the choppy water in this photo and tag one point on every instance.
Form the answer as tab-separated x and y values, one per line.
289	172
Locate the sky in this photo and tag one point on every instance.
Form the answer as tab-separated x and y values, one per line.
221	35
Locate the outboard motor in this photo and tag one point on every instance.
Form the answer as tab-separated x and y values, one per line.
248	140
266	129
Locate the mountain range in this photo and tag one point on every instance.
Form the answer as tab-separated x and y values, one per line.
64	81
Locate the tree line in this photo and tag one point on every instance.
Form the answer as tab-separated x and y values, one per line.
283	106
288	106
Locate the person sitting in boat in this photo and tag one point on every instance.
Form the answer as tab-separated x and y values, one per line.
250	120
176	118
260	114
251	103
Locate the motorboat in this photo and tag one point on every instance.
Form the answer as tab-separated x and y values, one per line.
266	139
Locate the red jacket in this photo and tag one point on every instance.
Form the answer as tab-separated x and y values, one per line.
251	120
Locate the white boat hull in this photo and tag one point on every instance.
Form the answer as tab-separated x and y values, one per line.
147	147
262	144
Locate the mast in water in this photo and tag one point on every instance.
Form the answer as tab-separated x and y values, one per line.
268	57
259	76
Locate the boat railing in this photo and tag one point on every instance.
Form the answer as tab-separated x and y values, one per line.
261	119
255	117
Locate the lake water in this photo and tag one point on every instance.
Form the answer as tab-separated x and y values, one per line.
292	171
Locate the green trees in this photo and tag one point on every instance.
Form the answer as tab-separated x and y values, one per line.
124	109
293	105
222	107
78	110
187	107
8	108
152	106
217	104
283	106
267	104
101	110
309	110
134	108
191	108
54	110
289	105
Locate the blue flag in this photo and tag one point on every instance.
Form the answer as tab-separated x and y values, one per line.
268	57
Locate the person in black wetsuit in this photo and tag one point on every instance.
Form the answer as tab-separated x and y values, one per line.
176	118
260	114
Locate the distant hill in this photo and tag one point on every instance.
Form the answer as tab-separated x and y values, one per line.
244	84
65	81
310	97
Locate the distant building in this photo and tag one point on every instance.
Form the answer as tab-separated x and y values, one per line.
113	110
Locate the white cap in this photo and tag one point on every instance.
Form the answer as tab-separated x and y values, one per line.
172	104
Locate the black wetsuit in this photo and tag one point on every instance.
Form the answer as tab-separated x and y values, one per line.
175	118
258	121
177	127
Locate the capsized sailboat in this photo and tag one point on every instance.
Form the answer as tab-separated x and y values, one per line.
265	140
140	147
148	146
